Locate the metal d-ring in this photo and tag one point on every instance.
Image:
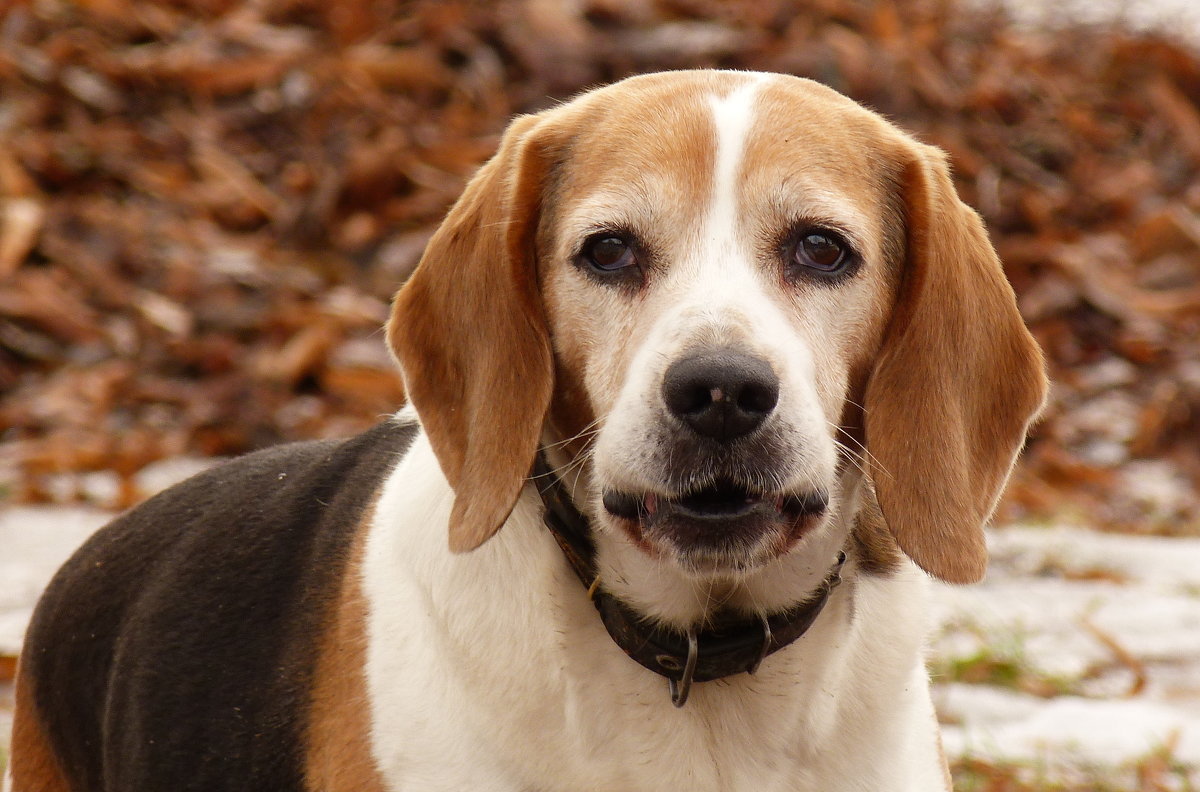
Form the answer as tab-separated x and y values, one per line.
835	577
679	690
766	644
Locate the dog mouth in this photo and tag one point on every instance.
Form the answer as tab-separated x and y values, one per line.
724	524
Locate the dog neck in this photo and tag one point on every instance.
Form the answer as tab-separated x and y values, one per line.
734	644
663	592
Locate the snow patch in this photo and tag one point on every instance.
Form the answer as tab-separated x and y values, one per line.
1113	618
36	542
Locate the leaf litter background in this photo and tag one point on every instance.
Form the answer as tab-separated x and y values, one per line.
205	207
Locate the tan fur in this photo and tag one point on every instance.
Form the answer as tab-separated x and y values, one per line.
469	334
583	378
874	546
945	761
34	766
469	328
957	381
909	364
499	341
339	740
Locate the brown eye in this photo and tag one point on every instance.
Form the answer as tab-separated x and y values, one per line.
821	251
608	253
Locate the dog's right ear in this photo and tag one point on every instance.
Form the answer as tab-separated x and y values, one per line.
470	334
957	381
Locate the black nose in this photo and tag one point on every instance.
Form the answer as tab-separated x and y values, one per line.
721	394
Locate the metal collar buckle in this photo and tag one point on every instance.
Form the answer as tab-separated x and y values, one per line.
737	647
766	644
683	686
681	689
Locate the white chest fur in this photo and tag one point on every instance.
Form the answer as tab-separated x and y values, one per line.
492	671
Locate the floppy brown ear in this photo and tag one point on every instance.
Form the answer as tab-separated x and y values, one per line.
469	332
957	381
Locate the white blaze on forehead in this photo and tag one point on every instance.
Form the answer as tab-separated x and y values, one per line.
732	115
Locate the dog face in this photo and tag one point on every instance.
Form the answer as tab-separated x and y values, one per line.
720	295
714	291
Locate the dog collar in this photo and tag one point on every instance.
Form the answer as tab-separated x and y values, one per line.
731	647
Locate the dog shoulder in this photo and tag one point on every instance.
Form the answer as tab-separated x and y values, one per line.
206	597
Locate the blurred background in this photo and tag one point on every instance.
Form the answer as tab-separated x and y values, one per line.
206	205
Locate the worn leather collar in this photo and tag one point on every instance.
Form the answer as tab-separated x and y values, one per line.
732	647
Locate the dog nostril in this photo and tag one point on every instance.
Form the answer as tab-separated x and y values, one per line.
759	397
687	400
722	394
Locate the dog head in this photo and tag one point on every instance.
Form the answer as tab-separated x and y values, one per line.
723	296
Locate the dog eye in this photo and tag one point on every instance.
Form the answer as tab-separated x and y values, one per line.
822	251
608	253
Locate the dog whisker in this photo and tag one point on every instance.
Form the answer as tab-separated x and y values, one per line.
859	451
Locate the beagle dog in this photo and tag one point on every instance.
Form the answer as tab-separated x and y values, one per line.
709	371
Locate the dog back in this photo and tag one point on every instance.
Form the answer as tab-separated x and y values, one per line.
209	596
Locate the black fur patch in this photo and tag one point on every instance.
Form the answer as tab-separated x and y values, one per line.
175	649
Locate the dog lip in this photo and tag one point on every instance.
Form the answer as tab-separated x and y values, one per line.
807	504
719	528
722	501
623	504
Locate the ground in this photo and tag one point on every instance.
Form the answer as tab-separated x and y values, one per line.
1074	665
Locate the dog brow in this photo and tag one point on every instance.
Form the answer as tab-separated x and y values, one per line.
732	115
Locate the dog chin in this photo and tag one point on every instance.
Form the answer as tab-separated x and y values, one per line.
721	562
707	544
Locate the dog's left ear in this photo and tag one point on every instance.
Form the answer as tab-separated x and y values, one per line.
957	381
469	332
